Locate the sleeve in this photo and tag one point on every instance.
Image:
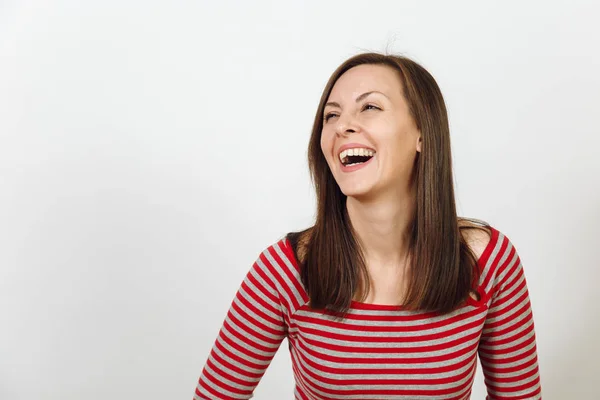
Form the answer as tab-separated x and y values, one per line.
252	332
507	348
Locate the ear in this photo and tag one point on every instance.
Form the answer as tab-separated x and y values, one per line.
419	144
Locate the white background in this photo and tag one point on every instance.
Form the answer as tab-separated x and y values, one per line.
149	151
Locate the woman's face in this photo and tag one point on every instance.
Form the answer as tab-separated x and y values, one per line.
366	114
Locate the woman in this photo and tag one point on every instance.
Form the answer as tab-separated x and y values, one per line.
389	295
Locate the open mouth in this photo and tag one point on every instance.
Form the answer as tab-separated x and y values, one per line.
354	160
352	157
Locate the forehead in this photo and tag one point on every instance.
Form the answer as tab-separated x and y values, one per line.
364	78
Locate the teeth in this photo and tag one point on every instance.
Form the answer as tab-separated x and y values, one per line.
356	152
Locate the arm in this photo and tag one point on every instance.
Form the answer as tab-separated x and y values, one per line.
507	348
249	338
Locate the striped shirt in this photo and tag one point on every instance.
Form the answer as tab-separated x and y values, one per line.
377	351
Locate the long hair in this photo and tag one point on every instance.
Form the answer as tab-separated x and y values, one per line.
443	268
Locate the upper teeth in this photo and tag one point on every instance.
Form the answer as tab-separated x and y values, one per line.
356	152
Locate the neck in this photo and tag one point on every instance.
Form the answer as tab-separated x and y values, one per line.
383	227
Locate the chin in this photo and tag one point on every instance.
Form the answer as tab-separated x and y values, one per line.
356	191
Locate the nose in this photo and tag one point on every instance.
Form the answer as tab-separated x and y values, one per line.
345	126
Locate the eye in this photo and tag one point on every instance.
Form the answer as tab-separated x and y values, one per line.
366	107
328	116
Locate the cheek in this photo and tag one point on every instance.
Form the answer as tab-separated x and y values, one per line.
326	143
398	150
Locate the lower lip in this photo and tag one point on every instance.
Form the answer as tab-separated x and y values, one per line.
356	167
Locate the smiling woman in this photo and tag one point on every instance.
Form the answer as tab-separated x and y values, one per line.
389	295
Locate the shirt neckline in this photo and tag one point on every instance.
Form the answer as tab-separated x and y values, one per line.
481	262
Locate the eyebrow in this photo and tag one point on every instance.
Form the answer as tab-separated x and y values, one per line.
359	98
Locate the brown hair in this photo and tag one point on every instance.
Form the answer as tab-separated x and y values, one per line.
443	268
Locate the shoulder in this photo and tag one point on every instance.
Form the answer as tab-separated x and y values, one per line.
478	235
497	257
278	257
298	243
280	264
